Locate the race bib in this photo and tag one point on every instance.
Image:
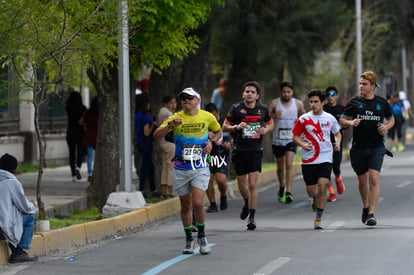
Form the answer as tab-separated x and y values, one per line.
251	130
191	152
285	133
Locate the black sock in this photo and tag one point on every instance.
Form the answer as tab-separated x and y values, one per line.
201	231
213	204
246	203
319	213
188	232
252	212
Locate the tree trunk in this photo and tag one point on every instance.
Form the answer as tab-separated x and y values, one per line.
106	173
196	71
41	141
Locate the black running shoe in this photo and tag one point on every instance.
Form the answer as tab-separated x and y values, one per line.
223	203
364	215
371	221
251	225
244	213
289	197
212	209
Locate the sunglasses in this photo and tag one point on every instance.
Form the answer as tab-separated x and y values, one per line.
331	94
185	96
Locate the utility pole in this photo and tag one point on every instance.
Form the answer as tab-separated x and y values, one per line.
404	69
358	42
124	100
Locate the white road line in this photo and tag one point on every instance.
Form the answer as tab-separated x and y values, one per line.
272	266
404	184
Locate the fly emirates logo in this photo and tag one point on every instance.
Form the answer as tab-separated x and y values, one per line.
369	115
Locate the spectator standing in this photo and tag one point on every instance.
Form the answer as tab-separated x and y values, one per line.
248	121
218	165
75	132
142	89
90	122
336	109
167	148
144	127
398	110
407	115
191	128
17	213
285	110
217	96
371	117
312	132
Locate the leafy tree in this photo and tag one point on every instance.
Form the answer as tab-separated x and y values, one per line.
159	32
41	44
59	37
272	41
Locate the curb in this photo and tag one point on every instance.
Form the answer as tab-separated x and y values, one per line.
68	239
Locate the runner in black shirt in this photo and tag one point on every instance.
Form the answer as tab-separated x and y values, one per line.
336	109
371	117
248	121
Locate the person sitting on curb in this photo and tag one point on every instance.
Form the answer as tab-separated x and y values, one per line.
17	213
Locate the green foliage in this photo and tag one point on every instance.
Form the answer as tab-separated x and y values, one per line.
160	29
274	35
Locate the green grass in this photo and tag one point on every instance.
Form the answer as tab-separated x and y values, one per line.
78	217
30	168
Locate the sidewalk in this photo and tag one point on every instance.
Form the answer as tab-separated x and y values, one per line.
60	195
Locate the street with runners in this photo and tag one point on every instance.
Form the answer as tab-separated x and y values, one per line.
284	239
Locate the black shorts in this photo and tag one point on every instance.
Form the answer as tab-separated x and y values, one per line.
312	172
279	150
247	161
363	159
218	164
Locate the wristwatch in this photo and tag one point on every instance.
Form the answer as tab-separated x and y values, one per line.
235	127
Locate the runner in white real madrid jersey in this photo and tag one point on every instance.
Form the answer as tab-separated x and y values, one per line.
285	110
312	132
191	173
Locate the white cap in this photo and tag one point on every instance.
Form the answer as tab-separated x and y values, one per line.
190	91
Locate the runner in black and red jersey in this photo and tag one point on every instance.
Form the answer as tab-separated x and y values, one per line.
248	121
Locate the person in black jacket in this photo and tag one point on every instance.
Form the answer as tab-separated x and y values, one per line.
75	132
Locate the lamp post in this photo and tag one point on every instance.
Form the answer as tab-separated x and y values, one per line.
124	99
358	41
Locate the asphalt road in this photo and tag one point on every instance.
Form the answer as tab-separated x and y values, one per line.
284	242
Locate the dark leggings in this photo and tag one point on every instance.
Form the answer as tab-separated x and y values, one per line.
74	141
